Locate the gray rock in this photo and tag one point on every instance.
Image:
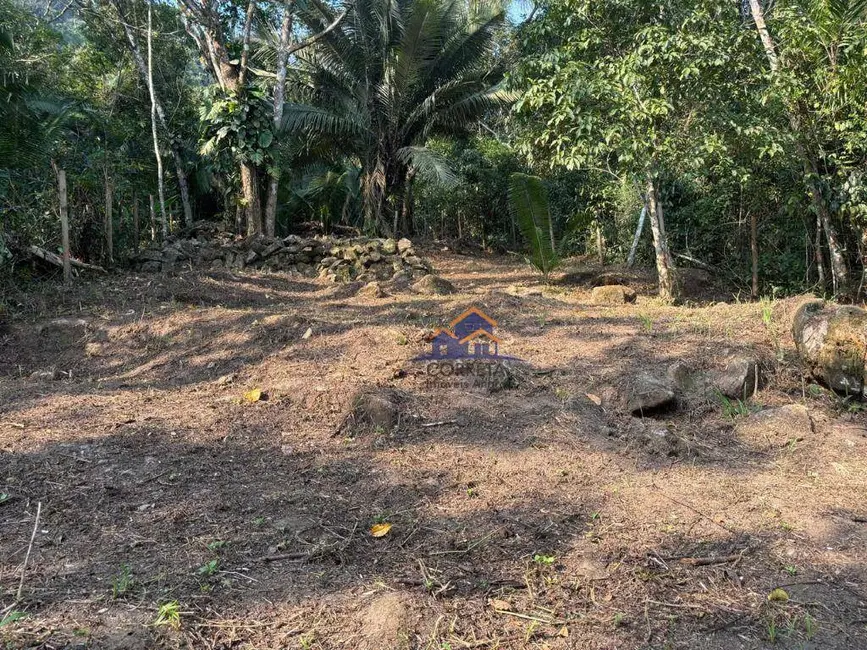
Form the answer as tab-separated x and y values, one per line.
251	257
832	341
273	248
404	246
737	379
647	394
64	331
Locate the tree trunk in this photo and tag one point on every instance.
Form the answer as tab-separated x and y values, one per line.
109	218
754	252
160	187
632	251
839	269
600	251
64	224
820	257
279	99
153	218
252	203
765	36
664	263
183	185
135	223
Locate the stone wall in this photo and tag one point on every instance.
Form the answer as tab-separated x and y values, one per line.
334	258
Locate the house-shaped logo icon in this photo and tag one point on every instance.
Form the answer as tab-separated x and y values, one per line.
469	336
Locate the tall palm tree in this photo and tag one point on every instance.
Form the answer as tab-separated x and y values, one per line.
394	73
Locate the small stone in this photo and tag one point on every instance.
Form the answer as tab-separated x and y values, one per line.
404	246
372	290
389	247
44	375
251	257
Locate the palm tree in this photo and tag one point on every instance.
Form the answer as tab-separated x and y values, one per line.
394	73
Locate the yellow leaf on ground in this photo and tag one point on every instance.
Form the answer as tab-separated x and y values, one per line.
778	595
307	334
380	530
253	395
564	631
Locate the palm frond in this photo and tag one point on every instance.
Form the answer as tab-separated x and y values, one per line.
529	205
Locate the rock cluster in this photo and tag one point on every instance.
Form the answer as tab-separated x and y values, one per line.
644	393
337	259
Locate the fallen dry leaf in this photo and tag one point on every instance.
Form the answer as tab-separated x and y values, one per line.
253	395
380	530
308	333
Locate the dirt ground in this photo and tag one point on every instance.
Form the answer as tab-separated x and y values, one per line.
177	513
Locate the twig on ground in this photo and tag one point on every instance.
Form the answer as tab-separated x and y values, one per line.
706	561
285	556
438	424
538	619
29	548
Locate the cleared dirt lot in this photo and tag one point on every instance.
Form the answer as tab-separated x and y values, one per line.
526	517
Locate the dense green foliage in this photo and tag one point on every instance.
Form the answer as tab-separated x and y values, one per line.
410	117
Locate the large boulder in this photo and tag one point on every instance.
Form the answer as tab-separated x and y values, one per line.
612	294
832	340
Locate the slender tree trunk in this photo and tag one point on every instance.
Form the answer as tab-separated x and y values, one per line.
863	252
160	187
64	224
109	218
754	252
632	251
279	100
820	257
253	205
765	36
135	222
183	185
839	269
239	219
600	251
153	218
408	207
664	262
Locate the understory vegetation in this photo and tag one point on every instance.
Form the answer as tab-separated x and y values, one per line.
733	132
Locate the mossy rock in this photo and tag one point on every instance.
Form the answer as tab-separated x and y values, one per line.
832	340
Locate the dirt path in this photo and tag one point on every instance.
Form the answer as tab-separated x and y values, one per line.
526	517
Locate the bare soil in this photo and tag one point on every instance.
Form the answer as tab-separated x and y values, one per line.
522	517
